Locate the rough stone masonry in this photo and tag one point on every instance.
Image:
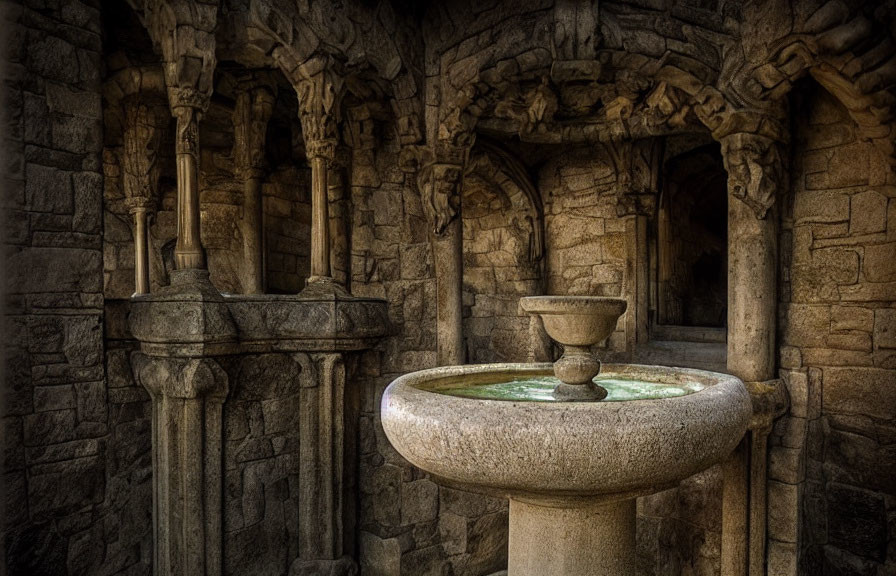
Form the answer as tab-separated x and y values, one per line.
229	224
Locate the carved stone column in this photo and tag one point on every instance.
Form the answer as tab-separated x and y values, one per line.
755	173
141	143
188	108
319	90
325	502
440	185
182	328
254	105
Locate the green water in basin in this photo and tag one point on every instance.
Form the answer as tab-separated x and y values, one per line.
540	388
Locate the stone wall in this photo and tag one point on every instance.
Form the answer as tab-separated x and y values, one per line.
61	508
585	240
498	270
833	455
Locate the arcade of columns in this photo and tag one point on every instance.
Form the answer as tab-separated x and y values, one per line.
186	327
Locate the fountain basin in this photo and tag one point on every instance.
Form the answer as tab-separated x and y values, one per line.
549	451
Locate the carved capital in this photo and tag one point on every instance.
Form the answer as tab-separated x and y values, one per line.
319	90
755	170
187	136
254	106
180	377
142	135
325	149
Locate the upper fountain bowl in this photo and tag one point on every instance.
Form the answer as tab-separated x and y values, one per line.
576	320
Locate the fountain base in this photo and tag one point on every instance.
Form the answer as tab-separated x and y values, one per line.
581	539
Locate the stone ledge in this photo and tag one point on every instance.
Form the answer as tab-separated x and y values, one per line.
196	322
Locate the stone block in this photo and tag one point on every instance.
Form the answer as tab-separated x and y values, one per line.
49	398
805	325
48	189
879	262
885	328
855	459
820	206
844	318
91	404
419	502
867	213
866	391
60	487
798	389
787	464
380	556
847	167
49	427
783	507
57	270
857	522
453	533
422	562
782	558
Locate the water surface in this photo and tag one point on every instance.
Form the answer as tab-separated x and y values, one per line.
540	388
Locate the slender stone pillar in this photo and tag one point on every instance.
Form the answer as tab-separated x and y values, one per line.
188	252
755	173
141	248
319	90
325	507
254	105
141	142
320	153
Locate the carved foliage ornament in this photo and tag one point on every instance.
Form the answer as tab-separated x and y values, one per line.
755	170
141	144
319	98
439	184
250	120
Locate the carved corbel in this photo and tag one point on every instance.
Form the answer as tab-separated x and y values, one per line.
755	170
438	182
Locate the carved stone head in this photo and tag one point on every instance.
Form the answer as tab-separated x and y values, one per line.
754	170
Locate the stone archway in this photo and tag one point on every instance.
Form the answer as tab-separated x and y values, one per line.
502	255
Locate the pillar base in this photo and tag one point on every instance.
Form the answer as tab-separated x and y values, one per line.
579	539
323	286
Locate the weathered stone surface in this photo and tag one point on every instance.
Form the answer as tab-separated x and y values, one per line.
857	522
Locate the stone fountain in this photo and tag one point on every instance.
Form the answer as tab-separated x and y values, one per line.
570	444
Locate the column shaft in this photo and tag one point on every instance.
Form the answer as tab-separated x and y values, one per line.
188	251
752	292
449	266
141	253
320	219
253	241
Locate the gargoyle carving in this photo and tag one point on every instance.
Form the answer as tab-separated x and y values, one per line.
754	170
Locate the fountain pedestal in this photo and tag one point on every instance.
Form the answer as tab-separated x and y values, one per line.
574	540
